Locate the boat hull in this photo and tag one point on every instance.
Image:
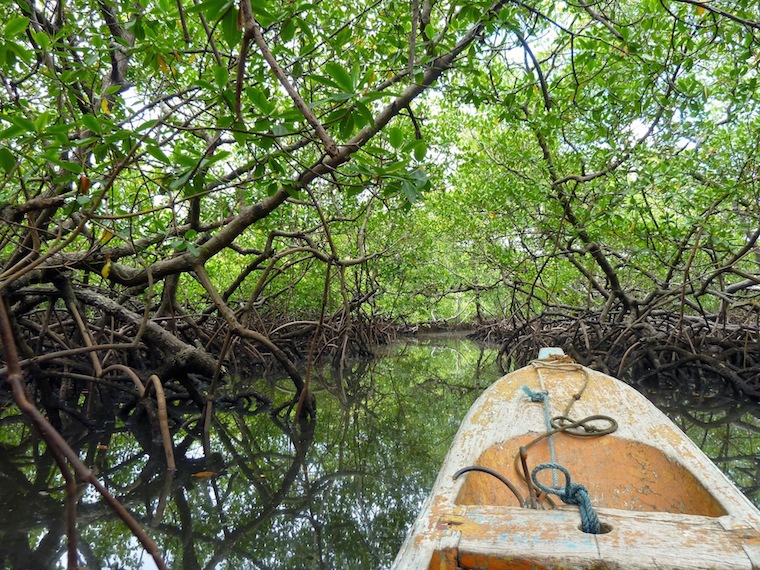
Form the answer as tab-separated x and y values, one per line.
662	503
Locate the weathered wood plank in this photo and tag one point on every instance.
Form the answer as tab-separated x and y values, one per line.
646	540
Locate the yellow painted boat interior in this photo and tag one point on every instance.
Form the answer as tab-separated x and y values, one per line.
619	474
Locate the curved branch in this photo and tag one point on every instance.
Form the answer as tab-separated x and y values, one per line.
253	33
243	331
537	67
710	7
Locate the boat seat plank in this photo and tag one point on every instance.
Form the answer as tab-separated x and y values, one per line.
493	537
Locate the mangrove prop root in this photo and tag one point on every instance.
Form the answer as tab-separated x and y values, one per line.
63	453
665	345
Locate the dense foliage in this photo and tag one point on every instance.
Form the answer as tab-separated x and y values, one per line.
427	162
616	169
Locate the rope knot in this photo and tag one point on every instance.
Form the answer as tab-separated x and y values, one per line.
572	494
535	396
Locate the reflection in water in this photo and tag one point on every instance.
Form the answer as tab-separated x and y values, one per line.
336	493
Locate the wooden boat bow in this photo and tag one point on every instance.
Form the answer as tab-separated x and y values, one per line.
661	502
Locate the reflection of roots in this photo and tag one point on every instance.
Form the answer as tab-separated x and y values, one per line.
66	347
685	351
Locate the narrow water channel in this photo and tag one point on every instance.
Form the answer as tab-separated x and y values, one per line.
339	493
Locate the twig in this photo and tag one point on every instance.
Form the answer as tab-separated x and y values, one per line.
413	37
302	397
163	417
183	22
716	10
243	331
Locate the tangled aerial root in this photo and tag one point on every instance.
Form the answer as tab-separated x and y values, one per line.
687	349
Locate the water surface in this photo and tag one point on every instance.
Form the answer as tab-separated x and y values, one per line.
337	493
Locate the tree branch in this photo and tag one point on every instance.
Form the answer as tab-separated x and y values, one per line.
253	33
249	215
710	7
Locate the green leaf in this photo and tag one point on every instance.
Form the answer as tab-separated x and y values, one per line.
280	130
260	100
225	121
185	160
15	26
193	187
181	180
340	75
114	89
178	244
230	30
146	125
409	191
306	34
42	39
262	125
264	143
395	137
11	50
92	123
219	155
276	167
364	117
23	123
417	147
41	121
651	5
12	132
212	9
264	17
66	165
356	71
288	30
338	97
7	160
157	153
221	75
420	178
347	126
324	81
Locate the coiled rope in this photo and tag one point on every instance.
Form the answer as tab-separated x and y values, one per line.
572	494
557	424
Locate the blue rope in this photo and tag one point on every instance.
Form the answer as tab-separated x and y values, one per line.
572	494
544	397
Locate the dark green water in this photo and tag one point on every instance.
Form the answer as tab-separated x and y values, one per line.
340	493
